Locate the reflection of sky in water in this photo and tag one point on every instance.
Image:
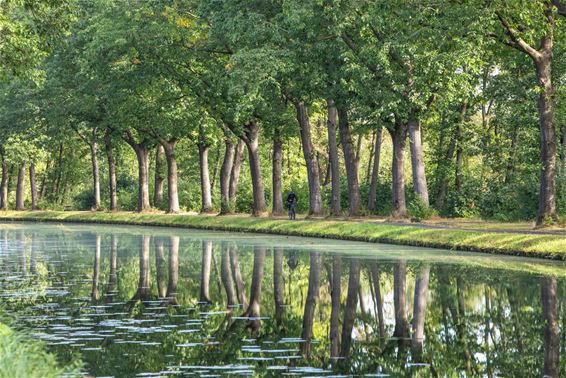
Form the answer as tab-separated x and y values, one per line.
483	313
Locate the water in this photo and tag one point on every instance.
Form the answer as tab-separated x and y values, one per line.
133	301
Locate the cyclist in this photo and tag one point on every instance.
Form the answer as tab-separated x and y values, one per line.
291	203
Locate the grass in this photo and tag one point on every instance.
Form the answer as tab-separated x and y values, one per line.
519	244
22	357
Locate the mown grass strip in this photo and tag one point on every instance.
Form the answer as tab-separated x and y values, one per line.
518	244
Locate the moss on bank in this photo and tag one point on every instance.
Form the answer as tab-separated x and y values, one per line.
22	357
520	244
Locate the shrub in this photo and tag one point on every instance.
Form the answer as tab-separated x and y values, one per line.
419	211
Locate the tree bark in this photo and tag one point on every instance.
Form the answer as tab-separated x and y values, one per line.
240	286
351	307
547	193
225	172
95	293
372	198
310	305
144	286
254	308
252	142
142	154
160	267
4	183
417	160
351	163
315	198
173	270
21	187
335	205
33	186
399	300
419	312
441	171
112	180
378	298
278	285
277	167
159	179
399	137
235	173
172	177
563	155
551	330
335	295
112	276
205	272
206	194
95	175
227	279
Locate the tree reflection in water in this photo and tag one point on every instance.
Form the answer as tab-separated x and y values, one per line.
327	311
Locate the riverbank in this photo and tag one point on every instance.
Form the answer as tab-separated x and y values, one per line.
21	356
521	242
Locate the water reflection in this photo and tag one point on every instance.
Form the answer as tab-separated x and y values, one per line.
221	304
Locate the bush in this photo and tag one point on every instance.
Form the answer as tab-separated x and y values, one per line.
419	211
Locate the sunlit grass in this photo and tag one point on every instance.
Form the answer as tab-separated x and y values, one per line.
523	244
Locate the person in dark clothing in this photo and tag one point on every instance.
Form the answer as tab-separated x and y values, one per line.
291	203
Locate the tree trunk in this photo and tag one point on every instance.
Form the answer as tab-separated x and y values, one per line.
399	300
43	185
227	280
399	137
351	307
160	267
111	289
240	286
335	295
378	299
206	194
143	293
315	198
350	161
419	312
225	171
310	305
205	272
551	330
172	177
95	175
372	198
417	160
277	167
142	154
112	180
4	184
459	168
254	308
33	186
547	193
173	270
278	285
159	179
563	156
235	173
58	172
252	142
21	187
335	205
95	294
441	171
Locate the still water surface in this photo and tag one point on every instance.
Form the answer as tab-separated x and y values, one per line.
133	301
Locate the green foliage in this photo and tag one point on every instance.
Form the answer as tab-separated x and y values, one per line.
419	211
22	357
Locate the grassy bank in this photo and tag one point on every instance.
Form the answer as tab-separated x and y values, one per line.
22	357
521	244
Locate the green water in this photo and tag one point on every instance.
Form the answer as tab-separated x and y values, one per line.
133	301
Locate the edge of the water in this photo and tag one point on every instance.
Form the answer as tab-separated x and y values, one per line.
517	244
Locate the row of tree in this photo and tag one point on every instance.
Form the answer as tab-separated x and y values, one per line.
459	82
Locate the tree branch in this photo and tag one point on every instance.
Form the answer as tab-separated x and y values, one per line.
518	41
